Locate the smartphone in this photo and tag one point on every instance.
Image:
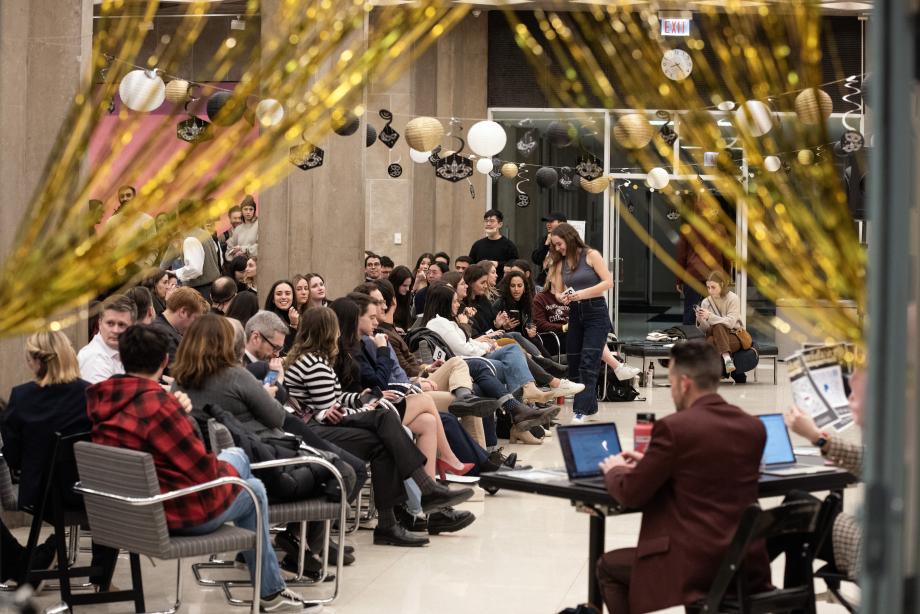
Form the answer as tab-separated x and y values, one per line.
374	395
569	290
270	378
515	314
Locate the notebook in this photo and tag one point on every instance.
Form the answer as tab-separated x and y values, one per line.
584	446
778	455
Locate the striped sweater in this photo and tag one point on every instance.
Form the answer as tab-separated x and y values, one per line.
312	382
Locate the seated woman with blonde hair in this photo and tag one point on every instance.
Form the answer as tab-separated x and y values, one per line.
718	316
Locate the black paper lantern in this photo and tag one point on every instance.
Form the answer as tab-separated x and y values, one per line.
547	177
346	123
218	111
371	136
561	134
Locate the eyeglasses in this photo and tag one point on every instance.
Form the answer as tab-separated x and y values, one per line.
277	348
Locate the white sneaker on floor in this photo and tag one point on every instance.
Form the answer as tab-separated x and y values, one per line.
567	388
578	418
289	601
624	372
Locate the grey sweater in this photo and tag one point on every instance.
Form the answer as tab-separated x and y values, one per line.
237	391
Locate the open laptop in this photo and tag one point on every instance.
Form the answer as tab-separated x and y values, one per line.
584	446
778	457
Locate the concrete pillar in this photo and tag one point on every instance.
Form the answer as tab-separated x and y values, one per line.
44	45
313	221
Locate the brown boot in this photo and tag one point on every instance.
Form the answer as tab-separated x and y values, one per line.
524	416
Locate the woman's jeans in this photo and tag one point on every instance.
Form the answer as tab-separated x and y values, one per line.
242	513
589	323
514	366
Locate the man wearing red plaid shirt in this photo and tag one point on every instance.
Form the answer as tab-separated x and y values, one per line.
133	411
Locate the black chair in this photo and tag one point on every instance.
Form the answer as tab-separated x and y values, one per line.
729	591
60	506
829	573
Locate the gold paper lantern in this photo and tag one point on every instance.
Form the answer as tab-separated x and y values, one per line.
805	157
509	170
424	133
633	131
813	106
595	186
177	91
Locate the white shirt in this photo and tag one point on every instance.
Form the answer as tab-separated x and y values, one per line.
455	338
98	361
193	256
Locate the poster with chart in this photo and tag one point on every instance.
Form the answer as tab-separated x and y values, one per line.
816	378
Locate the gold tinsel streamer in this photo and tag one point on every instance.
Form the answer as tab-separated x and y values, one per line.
802	243
316	58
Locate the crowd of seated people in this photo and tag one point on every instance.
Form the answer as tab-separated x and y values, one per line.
337	373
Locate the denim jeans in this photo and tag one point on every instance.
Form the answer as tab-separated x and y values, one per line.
242	513
514	366
589	323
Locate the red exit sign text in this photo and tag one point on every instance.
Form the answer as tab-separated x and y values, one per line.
675	27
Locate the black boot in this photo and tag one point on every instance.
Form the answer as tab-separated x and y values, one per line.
473	406
524	416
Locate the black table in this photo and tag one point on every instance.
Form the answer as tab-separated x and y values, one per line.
598	504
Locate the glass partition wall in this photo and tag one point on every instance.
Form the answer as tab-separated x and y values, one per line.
645	296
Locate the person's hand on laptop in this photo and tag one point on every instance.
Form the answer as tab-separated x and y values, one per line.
629	458
803	425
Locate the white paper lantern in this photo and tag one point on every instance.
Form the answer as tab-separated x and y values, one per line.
755	117
484	165
657	178
772	163
269	112
419	157
141	90
486	138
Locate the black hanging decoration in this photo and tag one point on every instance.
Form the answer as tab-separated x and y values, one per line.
455	167
547	177
388	136
306	156
589	167
496	171
561	134
194	129
522	199
394	170
346	125
567	179
371	137
435	157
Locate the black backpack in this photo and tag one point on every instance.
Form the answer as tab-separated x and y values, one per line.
617	391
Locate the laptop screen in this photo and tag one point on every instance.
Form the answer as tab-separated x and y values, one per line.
778	449
585	446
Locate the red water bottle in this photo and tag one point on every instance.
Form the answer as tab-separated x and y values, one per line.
642	432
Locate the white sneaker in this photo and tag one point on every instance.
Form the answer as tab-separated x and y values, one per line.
289	601
578	418
624	372
567	388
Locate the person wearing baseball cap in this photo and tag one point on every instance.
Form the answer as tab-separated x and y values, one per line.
539	254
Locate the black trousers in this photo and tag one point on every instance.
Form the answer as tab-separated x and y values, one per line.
378	437
296	426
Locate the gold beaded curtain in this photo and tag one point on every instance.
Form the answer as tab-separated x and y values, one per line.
751	63
316	61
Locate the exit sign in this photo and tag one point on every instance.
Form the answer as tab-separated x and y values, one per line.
675	27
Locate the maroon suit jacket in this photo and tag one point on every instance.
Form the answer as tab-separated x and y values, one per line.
699	474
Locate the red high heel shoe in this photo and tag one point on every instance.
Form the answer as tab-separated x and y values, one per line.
443	468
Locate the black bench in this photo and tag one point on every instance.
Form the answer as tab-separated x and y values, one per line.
650	350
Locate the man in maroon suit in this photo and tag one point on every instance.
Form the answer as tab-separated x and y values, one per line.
693	483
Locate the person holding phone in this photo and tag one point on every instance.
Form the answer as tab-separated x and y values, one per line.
583	278
516	293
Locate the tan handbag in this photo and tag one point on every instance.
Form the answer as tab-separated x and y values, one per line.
747	342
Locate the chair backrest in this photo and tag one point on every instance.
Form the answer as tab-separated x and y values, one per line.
756	523
8	494
220	436
127	473
58	477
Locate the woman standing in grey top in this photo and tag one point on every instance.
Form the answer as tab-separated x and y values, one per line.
582	279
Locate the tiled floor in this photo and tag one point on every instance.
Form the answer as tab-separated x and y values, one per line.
524	553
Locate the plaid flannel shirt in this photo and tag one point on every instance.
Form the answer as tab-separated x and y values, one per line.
847	534
136	413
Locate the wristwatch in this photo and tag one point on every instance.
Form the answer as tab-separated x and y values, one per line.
821	441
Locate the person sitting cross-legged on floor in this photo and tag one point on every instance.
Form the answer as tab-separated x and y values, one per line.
133	411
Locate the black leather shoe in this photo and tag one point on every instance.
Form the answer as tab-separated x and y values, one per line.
444	497
497	458
409	521
398	536
473	406
312	568
449	520
524	416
